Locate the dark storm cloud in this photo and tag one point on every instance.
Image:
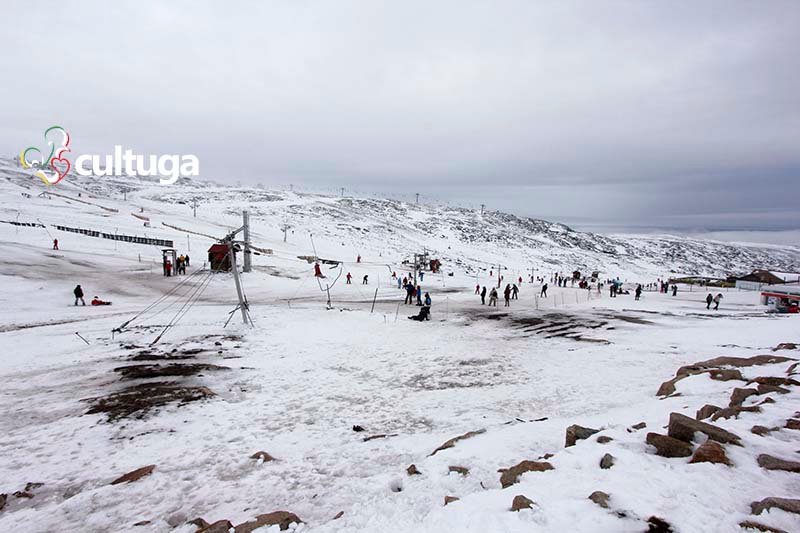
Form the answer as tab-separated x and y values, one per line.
684	112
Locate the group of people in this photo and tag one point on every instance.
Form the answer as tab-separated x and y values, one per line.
511	292
181	262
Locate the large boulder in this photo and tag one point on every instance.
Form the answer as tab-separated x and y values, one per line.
576	433
282	519
669	447
770	462
710	452
509	476
734	411
683	428
785	504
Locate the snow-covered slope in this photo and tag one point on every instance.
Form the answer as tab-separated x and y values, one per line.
384	230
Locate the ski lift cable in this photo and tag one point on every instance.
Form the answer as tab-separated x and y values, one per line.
161	298
188	304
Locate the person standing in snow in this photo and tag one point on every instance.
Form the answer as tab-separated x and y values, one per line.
717	300
409	293
515	292
419	295
187	260
483	296
674	290
365	281
427	300
55	244
638	292
709	299
78	292
421	275
493	297
478	288
507	295
349	277
543	294
399	282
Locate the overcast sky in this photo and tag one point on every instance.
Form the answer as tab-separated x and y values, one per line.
637	114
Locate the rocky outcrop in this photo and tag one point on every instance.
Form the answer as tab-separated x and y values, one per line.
412	471
784	504
452	442
706	411
750	524
683	428
669	447
714	367
600	498
734	411
135	475
450	499
458	470
220	526
604	439
710	452
282	519
607	461
761	430
520	502
770	462
510	476
264	457
785	346
739	395
576	433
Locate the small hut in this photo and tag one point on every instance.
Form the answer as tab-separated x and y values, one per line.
218	257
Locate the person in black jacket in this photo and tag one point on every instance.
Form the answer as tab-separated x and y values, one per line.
78	292
483	296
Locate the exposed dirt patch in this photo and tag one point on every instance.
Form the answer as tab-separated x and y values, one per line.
137	401
161	371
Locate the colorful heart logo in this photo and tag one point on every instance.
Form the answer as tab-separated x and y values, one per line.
59	165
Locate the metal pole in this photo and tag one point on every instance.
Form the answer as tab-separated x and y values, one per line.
373	300
247	267
235	269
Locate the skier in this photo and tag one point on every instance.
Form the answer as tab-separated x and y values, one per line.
55	244
515	292
98	301
349	277
483	296
365	280
717	300
507	296
78	292
638	291
493	297
544	291
709	299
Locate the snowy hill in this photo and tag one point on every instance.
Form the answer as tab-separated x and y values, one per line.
384	230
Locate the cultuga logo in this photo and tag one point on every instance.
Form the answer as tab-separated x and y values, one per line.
55	166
